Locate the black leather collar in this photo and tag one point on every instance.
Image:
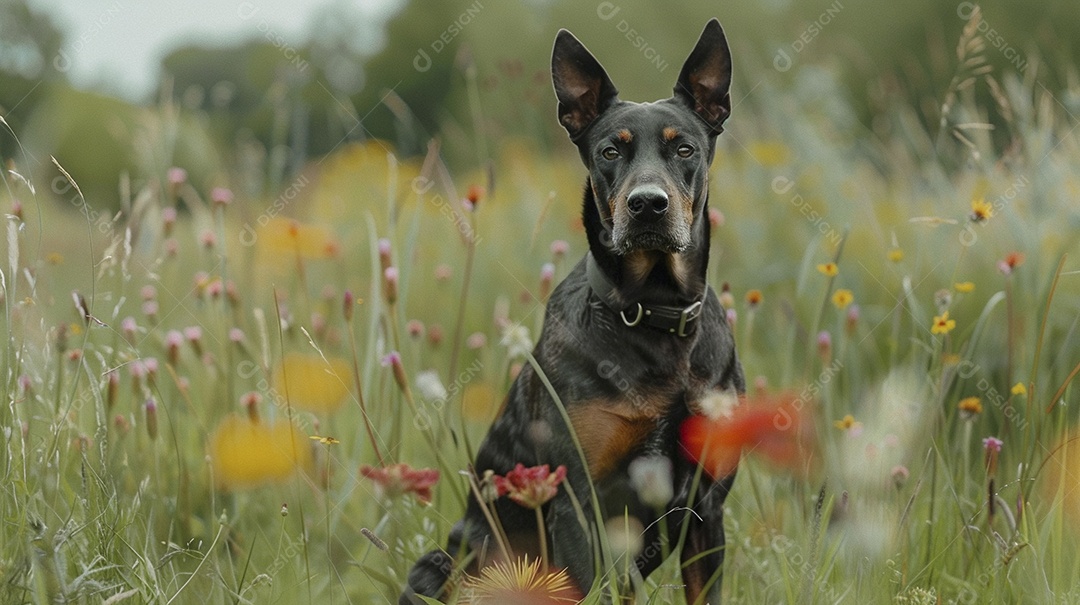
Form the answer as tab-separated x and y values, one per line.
681	321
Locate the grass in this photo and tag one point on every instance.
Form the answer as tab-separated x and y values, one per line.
245	317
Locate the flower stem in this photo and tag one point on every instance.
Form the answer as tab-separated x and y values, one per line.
543	536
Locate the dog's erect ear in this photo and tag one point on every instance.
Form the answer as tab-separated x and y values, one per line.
706	78
581	84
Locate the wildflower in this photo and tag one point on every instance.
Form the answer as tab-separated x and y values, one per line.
347	304
899	475
173	340
476	340
250	401
148	292
848	423
315	383
17	209
473	196
168	219
150	309
193	334
112	388
390	285
970	407
824	345
559	248
547	277
222	196
400	479
435	334
716	218
236	335
122	424
895	255
942	299
531	487
26	384
430	386
443	272
215	288
150	407
176	176
1019	390
286	236
324	440
964	287
842	298
991	450
386	259
768	425
851	320
650	476
828	269
981	210
726	299
55	258
517	341
942	324
731	317
284	509
950	359
247	454
1011	261
415	328
519	581
753	298
129	328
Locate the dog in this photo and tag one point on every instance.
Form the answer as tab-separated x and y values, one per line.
634	339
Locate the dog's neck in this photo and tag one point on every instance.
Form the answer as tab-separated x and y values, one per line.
650	275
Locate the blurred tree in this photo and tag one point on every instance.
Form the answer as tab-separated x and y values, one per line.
30	63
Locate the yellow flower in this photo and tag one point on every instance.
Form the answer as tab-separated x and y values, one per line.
247	453
847	423
896	255
314	384
1019	389
829	269
324	440
981	210
519	581
753	298
964	287
970	407
950	359
54	258
942	324
842	298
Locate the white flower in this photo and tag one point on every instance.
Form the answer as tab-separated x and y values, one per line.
517	341
430	387
650	476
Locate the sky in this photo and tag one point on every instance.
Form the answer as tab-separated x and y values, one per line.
117	45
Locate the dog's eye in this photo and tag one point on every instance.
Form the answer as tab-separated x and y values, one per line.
685	151
610	153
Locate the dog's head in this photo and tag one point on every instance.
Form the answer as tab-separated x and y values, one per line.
648	162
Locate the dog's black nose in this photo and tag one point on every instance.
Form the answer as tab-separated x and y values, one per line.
647	203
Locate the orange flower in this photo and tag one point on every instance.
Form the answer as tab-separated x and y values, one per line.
1011	261
397	480
771	426
970	407
753	298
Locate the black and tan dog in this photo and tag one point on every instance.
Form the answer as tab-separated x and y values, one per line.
633	340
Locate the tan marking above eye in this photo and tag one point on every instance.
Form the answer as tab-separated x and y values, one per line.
625	135
670	133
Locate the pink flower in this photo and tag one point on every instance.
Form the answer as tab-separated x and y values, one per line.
400	479
177	176
531	487
221	195
559	248
716	218
992	444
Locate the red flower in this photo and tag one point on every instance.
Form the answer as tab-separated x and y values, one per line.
1012	261
400	479
769	425
531	487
